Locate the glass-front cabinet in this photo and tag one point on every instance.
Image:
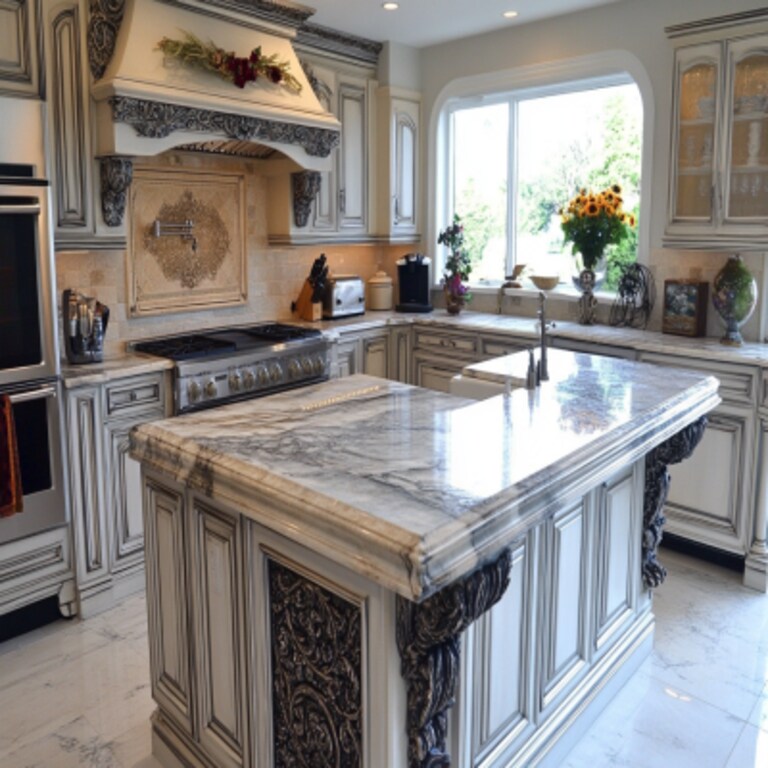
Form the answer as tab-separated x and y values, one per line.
719	170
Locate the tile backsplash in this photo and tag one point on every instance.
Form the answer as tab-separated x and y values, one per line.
275	275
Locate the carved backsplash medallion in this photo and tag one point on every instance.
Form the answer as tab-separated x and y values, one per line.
187	241
189	258
316	669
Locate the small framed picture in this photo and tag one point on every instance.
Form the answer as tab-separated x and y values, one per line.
685	307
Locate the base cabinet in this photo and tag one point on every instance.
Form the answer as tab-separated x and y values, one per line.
366	352
712	496
105	486
281	637
575	608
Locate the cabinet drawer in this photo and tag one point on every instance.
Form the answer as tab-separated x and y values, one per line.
498	347
135	393
448	342
738	384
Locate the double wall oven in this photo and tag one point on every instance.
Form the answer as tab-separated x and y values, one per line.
29	360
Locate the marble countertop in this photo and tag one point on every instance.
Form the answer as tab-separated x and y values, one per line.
414	488
129	364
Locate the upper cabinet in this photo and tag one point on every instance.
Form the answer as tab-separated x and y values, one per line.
20	48
398	170
332	205
719	170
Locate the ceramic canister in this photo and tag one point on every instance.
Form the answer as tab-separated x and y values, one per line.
380	291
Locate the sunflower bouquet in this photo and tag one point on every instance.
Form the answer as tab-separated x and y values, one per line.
593	221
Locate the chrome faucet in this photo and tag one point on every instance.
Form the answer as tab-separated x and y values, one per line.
544	326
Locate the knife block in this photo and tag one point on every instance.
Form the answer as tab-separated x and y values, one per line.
305	307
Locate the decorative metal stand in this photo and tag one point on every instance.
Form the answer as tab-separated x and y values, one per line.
587	300
428	638
671	451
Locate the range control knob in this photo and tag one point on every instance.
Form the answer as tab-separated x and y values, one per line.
249	379
306	365
262	375
294	368
235	381
275	372
194	391
319	364
210	388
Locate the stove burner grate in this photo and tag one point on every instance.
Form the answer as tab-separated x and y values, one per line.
186	347
278	332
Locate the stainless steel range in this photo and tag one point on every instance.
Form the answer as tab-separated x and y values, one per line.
217	367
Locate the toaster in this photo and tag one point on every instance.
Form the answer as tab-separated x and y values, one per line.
344	296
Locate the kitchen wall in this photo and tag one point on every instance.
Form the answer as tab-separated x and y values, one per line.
275	275
628	29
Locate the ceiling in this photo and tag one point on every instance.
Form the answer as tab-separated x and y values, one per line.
419	23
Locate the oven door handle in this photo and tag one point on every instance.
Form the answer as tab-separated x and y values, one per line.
34	394
16	208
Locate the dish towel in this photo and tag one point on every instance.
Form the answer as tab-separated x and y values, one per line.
11	494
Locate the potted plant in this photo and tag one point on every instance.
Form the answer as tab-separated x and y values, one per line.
457	267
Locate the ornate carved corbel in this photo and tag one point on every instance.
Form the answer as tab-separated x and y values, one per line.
305	186
106	16
428	638
671	451
116	177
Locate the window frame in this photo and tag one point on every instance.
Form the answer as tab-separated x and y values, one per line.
511	87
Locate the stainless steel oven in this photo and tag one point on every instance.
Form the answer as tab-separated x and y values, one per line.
29	358
36	414
28	350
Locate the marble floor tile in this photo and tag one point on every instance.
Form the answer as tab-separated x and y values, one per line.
652	724
70	745
751	750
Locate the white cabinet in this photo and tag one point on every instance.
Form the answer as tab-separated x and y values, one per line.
711	498
19	43
105	485
340	208
575	604
363	352
398	169
719	169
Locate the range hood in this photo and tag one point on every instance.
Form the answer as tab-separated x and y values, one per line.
146	104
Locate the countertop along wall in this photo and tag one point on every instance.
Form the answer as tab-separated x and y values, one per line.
630	27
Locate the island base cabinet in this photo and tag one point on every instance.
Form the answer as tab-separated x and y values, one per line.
254	637
573	625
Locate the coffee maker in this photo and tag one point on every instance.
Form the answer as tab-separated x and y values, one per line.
413	279
85	323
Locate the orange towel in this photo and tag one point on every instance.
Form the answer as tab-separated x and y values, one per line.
11	494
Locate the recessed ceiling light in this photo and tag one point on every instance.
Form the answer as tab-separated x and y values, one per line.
390	6
509	14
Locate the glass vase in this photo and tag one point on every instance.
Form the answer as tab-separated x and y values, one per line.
734	297
599	270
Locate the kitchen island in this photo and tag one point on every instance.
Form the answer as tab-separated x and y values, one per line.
316	559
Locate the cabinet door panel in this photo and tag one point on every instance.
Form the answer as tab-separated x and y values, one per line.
710	493
353	176
433	374
565	604
746	195
376	356
501	662
218	625
169	647
85	463
617	550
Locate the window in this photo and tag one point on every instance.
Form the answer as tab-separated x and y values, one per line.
515	159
